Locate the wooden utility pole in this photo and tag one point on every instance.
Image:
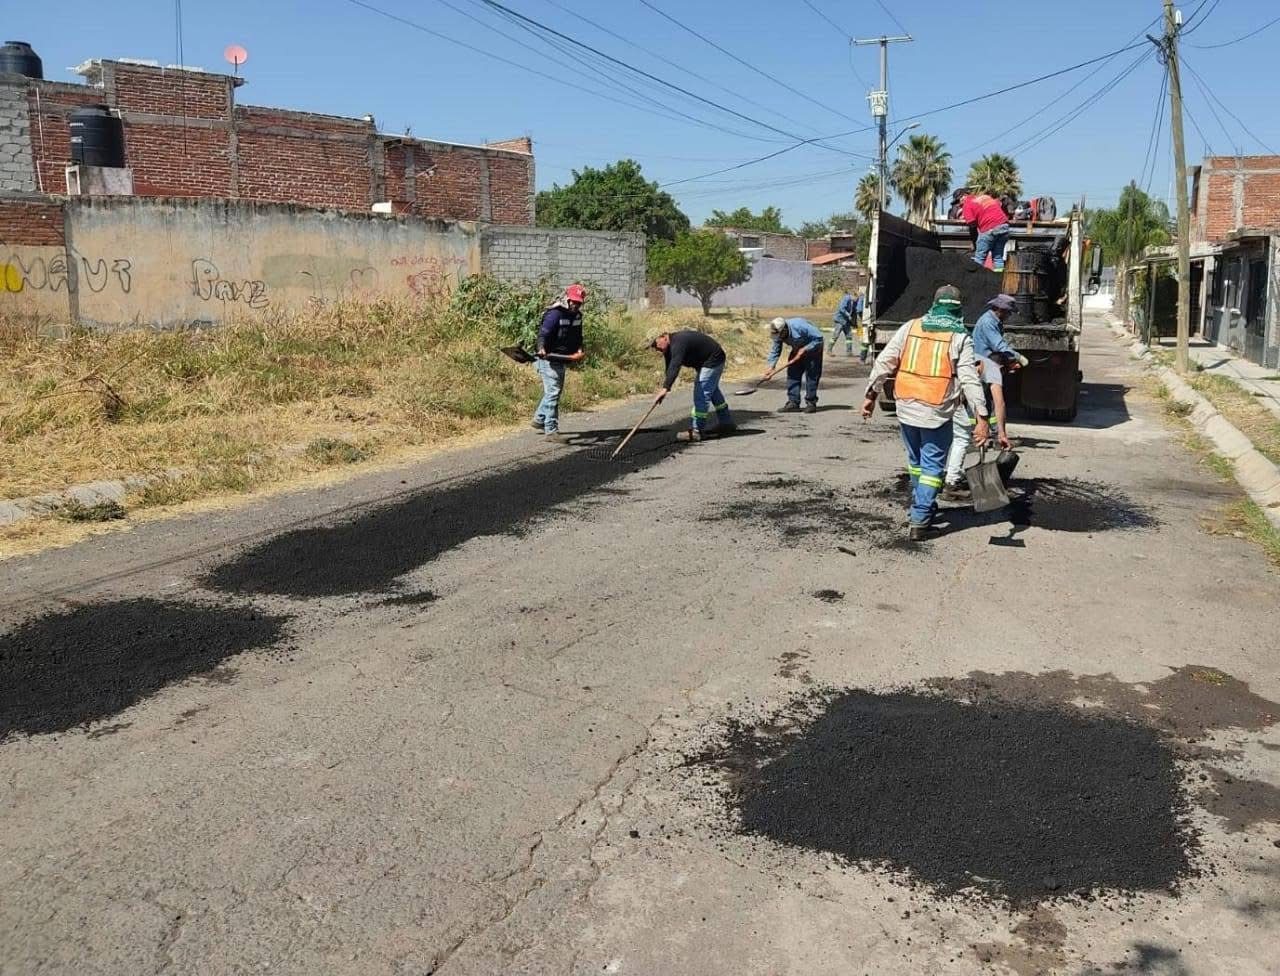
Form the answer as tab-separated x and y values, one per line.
1172	25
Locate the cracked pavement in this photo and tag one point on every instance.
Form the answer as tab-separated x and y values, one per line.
490	783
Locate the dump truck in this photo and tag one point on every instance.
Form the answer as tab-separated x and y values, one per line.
1043	271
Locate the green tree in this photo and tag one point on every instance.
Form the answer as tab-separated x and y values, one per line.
996	175
617	197
837	223
768	220
1137	222
866	199
921	175
701	263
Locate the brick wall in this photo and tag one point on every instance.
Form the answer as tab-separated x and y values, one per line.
1235	192
16	169
784	247
185	135
31	222
818	248
612	261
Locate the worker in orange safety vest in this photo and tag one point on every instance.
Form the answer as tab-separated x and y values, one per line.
932	365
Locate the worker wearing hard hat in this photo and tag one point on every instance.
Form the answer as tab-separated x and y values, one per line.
931	361
559	336
807	340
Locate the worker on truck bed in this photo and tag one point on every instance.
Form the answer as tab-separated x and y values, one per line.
986	218
560	335
805	364
706	358
931	360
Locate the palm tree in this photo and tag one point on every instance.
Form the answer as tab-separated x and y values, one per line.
1137	222
921	175
996	175
867	198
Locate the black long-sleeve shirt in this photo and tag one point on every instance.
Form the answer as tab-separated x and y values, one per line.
693	349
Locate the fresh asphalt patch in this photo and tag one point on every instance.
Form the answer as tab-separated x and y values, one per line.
368	552
71	668
1010	801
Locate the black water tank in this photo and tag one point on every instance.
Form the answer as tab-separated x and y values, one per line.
17	58
97	137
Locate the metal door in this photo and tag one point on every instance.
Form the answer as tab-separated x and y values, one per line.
1255	311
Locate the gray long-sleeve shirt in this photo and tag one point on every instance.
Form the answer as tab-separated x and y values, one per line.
964	381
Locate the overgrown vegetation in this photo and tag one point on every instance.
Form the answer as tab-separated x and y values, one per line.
1244	412
75	510
1245	520
233	409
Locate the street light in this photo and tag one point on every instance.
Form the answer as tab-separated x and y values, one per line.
884	162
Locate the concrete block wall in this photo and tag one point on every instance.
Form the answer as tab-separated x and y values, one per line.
16	169
772	284
614	261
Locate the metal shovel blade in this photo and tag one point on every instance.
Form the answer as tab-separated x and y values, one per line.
986	485
516	353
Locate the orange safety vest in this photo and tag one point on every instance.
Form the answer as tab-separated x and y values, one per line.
925	369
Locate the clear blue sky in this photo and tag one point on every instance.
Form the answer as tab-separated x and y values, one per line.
335	56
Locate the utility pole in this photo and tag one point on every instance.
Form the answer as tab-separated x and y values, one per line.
880	105
1172	25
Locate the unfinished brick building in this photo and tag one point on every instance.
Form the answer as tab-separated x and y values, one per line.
186	135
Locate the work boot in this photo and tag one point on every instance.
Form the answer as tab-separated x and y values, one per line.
689	436
918	533
789	407
810	407
555	437
956	493
538	424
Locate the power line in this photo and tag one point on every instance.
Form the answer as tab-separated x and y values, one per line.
618	85
660	57
1231	142
1022	84
727	53
646	74
1196	21
1057	98
1204	85
1242	37
514	64
1153	144
1054	127
893	18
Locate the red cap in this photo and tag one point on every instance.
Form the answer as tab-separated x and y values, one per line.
575	293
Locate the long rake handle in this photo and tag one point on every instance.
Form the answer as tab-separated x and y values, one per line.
618	449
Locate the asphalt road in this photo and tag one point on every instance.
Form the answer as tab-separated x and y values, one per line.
452	718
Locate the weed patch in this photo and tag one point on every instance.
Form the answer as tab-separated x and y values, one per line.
74	510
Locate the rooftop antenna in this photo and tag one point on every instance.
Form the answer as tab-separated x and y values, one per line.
236	56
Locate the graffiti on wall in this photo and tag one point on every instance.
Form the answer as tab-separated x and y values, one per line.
65	271
208	285
435	277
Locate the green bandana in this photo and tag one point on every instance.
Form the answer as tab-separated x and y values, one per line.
944	316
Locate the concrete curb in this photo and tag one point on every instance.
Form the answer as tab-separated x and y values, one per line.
1256	474
16	510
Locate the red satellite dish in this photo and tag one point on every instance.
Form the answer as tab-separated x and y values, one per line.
236	55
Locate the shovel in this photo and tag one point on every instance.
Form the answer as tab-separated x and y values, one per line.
748	390
520	356
985	484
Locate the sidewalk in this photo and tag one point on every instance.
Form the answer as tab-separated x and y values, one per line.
1262	382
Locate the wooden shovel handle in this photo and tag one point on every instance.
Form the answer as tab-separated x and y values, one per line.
652	407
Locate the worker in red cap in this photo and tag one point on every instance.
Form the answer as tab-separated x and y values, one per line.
560	335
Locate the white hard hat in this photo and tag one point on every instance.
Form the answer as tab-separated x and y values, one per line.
778	325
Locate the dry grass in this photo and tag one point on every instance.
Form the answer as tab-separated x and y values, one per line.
254	404
1245	520
1242	409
